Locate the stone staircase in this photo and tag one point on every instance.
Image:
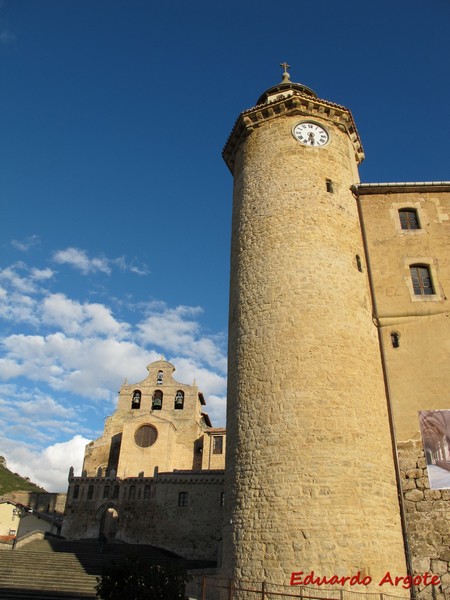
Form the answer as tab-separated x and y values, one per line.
54	569
38	572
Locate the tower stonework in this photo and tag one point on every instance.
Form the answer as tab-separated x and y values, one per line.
310	476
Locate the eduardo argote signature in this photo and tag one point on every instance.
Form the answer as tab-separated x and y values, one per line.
405	581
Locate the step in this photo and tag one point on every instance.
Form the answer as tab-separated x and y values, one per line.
62	570
56	586
20	594
49	582
43	575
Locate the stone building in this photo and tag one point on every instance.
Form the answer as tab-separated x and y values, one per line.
338	378
406	228
339	330
156	475
16	520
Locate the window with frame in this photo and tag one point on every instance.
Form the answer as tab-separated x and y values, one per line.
409	218
76	492
145	436
132	492
90	493
218	444
421	280
183	499
106	491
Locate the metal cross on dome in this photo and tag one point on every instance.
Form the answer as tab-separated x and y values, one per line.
285	72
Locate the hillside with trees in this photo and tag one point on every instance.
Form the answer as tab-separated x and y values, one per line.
13	482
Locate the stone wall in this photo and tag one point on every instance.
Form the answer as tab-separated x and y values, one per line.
151	511
42	501
310	470
427	515
416	367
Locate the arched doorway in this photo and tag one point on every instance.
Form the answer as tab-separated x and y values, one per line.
109	522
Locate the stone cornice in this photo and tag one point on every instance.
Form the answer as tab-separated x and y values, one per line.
294	104
192	477
365	189
206	476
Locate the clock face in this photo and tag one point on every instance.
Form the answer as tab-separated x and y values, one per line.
310	134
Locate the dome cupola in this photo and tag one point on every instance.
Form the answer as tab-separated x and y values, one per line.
284	89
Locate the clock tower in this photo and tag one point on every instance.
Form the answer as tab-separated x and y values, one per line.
310	476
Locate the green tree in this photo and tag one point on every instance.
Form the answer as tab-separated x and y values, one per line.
140	579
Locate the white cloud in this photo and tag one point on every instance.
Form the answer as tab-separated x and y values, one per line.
123	265
41	274
45	405
27	243
9	368
90	352
71	357
176	330
79	260
143	270
187	369
100	320
62	312
216	409
81	319
18	307
88	367
17	301
171	328
28	411
11	276
48	467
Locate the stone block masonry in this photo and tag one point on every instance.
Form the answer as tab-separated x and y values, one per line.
427	515
180	511
310	479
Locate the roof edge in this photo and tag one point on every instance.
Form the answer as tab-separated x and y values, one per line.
400	187
294	104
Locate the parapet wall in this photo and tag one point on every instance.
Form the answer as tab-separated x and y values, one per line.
179	511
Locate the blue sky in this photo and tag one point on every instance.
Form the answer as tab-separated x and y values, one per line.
116	204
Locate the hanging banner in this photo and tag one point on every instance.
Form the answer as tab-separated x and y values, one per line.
435	430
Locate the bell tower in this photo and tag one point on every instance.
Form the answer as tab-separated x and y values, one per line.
310	478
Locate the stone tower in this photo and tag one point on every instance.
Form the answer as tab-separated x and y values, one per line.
310	476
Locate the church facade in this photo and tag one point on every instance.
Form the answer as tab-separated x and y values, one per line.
156	475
